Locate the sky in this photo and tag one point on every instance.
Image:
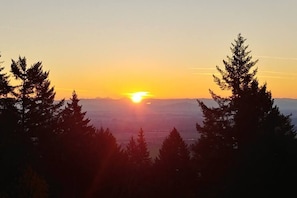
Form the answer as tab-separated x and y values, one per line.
169	48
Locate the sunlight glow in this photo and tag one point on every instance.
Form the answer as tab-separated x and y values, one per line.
137	97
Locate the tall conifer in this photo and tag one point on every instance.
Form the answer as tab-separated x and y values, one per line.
240	130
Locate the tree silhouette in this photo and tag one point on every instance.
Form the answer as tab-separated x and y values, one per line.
28	113
173	167
139	166
75	137
12	149
138	152
8	116
131	151
5	87
73	119
240	130
107	165
36	99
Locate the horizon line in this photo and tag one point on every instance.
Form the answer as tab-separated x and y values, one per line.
177	98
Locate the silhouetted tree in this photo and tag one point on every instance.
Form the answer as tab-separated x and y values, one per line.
131	151
35	98
139	164
7	110
5	87
138	154
73	121
8	117
239	131
11	143
174	176
107	166
144	155
36	113
74	137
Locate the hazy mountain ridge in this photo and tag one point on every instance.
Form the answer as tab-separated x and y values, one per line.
157	117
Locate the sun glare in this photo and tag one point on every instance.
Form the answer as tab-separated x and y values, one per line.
137	97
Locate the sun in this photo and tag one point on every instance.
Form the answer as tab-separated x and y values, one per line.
137	97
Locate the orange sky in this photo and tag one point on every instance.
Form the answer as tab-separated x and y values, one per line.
167	48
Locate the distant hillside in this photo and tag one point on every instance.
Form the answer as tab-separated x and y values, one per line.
157	116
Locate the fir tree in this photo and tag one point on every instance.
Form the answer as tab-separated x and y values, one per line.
35	98
173	167
5	87
75	136
240	130
138	152
131	151
143	155
73	119
139	166
107	166
12	150
8	117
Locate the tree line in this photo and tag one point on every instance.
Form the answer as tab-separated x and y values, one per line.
48	148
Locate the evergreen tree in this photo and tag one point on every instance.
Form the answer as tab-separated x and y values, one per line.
107	166
143	155
239	131
138	152
131	151
139	166
5	87
75	138
173	167
35	98
7	110
8	117
73	119
37	113
11	143
174	151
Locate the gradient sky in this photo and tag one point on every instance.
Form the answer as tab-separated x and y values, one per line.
167	47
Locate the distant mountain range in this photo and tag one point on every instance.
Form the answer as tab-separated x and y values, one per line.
157	117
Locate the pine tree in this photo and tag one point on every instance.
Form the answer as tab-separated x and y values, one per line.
74	122
12	150
139	166
138	153
107	166
240	130
5	87
131	151
8	116
75	136
75	131
35	98
173	167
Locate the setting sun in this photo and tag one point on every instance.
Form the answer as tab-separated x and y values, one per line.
137	97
